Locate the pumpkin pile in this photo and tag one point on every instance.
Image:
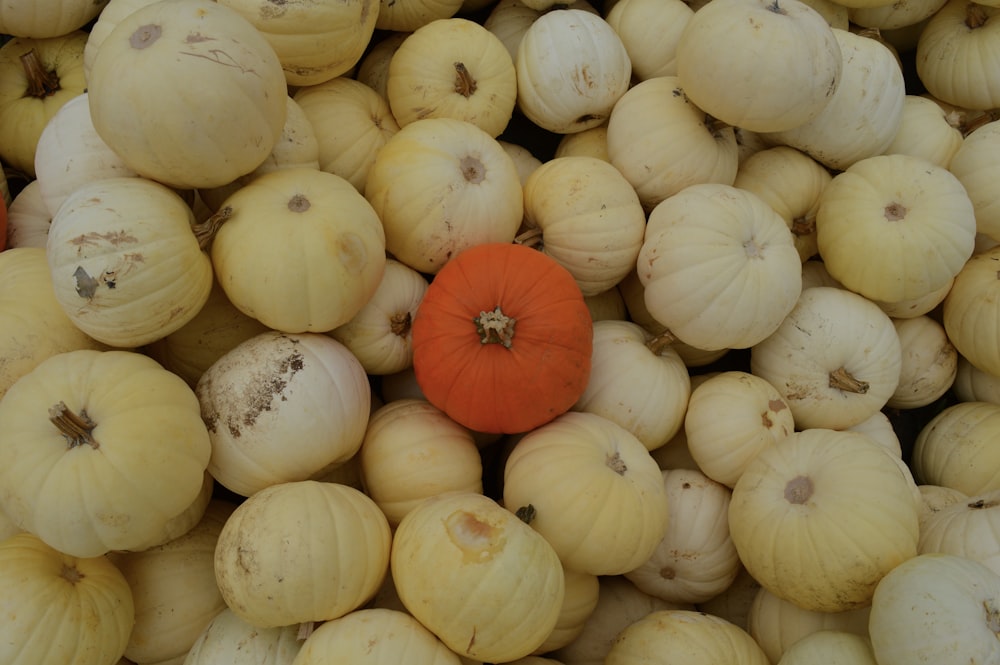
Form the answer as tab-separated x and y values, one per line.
499	331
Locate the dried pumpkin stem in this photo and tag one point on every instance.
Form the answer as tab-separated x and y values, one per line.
399	324
975	16
658	343
205	231
495	327
77	428
465	85
41	83
841	379
530	238
804	226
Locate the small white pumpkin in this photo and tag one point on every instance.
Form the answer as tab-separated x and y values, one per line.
694	638
956	449
929	363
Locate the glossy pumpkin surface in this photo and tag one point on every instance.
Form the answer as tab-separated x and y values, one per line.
502	339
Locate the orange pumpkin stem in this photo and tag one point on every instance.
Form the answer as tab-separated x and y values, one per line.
76	427
495	327
41	83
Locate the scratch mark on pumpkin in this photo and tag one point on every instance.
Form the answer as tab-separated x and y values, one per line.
220	57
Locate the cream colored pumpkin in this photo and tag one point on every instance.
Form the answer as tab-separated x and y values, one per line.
453	68
934	498
777	624
966	528
113	12
375	636
856	122
879	429
607	306
731	417
591	142
830	647
582	591
929	363
937	607
583	213
173	588
229	639
314	42
684	635
273	560
591	489
822	486
895	206
974	385
59	608
379	334
126	267
282	407
412	451
703	248
915	307
791	182
509	19
142	73
28	218
441	185
970	308
119	436
696	560
650	30
408	15
954	53
836	358
351	122
956	449
734	603
511	579
70	154
894	17
334	242
572	68
636	383
35	325
524	160
976	166
48	18
663	143
373	69
724	71
925	131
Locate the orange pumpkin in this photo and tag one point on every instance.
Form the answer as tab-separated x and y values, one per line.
502	339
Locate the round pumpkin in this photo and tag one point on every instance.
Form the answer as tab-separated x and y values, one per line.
968	527
970	309
502	339
976	166
687	636
58	608
929	363
925	131
48	18
650	30
829	647
955	449
229	639
100	450
28	218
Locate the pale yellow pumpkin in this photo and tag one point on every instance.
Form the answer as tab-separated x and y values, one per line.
796	491
966	528
509	19
791	182
314	42
956	449
372	636
334	258
934	498
970	308
572	68
662	142
894	16
453	68
607	306
35	325
28	218
835	358
408	15
936	607
583	213
829	647
412	451
929	363
379	334
879	429
229	639
915	307
731	417
976	166
143	70
735	602
685	636
582	591
119	436
59	608
591	142
725	72
524	160
173	589
511	579
924	131
126	266
591	489
373	69
441	185
636	383
974	385
273	563
696	560
650	30
351	122
282	407
113	12
703	248
48	18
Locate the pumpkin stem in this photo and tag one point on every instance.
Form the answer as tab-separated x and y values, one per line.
526	513
975	16
530	238
71	574
658	343
399	324
205	231
617	464
76	427
992	617
799	490
495	327
776	8
306	629
895	211
41	83
715	126
465	85
984	118
841	379
804	225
